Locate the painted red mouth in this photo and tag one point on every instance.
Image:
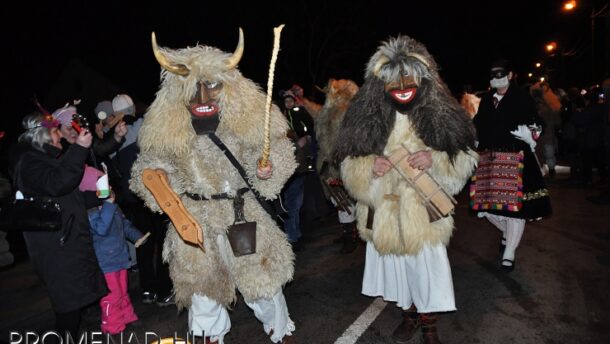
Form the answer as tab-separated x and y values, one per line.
404	96
204	110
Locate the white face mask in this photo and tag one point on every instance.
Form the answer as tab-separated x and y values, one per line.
499	83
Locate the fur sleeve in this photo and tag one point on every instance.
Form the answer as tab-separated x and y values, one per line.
453	175
137	185
284	164
357	175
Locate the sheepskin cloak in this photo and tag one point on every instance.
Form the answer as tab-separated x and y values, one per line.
401	224
194	164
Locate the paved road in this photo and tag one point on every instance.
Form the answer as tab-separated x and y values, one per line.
558	293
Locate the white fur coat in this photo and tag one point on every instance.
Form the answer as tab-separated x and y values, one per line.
401	224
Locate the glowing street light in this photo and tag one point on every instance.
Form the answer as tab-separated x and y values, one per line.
530	75
550	47
569	5
542	79
538	64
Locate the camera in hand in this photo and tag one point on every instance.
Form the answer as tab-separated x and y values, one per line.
80	123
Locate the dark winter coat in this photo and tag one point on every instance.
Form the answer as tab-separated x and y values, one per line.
494	126
70	271
110	228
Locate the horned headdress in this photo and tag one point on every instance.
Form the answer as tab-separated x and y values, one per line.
167	127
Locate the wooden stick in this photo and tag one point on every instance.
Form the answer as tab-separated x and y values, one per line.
263	161
140	241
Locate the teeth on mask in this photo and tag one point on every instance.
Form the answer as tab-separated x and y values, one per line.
205	109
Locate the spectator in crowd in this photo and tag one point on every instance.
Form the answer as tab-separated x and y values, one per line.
300	125
591	126
107	126
604	195
155	282
110	229
65	259
573	105
102	147
6	257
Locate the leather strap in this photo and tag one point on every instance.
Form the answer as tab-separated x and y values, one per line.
264	203
224	195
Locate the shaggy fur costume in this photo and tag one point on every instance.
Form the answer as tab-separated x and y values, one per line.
196	165
372	127
339	93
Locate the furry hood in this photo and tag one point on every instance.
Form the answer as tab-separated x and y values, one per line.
167	128
437	117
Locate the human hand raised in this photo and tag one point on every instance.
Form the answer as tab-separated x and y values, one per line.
264	172
120	131
524	134
84	139
99	130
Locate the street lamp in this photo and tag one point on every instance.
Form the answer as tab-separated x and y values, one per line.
569	5
550	47
538	64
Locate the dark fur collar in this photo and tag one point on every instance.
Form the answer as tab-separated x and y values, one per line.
438	120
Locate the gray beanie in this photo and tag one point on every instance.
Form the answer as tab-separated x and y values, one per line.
103	106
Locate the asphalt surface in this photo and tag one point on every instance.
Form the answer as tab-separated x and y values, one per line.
559	291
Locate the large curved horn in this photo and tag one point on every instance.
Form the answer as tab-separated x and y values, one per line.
382	60
164	61
320	89
232	61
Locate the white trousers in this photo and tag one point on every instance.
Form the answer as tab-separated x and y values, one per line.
423	279
512	232
344	216
208	318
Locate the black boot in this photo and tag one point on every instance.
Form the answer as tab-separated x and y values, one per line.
428	328
409	324
350	238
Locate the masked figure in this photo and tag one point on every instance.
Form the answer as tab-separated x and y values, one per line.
403	103
204	103
507	122
339	94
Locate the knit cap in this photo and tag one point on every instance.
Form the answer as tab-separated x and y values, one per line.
64	114
123	103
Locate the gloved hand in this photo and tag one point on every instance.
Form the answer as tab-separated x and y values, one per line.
536	130
524	134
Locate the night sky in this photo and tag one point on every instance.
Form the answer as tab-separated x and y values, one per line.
322	39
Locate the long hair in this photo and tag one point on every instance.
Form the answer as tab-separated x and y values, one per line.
437	118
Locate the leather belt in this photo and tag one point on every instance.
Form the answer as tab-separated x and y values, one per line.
224	195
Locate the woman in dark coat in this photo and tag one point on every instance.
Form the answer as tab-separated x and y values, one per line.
501	112
65	259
